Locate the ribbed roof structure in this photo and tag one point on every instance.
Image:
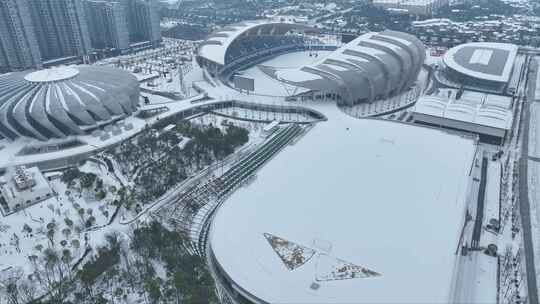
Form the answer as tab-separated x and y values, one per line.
58	102
371	67
216	46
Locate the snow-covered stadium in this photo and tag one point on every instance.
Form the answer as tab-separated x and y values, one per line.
58	102
247	43
373	66
482	64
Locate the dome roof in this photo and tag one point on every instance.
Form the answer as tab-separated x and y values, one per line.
63	101
485	61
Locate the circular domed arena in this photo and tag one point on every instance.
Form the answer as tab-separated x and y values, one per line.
64	101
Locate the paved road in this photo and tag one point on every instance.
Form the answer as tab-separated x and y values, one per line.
477	231
524	208
534	159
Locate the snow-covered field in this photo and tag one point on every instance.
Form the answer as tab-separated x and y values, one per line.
265	85
296	59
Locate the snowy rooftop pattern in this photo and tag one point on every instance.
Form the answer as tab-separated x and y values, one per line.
483	60
59	102
215	47
371	66
384	196
52	74
482	112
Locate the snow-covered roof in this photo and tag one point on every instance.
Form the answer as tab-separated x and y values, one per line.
386	197
483	60
52	74
64	101
480	112
371	65
214	48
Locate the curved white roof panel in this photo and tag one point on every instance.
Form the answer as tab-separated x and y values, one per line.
63	101
483	60
214	48
52	74
349	204
371	66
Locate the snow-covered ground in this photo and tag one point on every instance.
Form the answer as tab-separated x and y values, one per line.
266	85
174	82
296	59
26	233
248	114
481	271
534	179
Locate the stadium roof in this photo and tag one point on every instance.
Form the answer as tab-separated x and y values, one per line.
483	60
490	112
372	65
385	196
63	101
214	48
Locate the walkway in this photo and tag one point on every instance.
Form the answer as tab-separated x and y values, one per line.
480	209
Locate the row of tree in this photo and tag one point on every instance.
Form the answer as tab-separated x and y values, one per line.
157	160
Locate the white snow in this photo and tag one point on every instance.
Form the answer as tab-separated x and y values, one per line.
286	66
444	108
503	77
296	59
478	280
534	180
493	192
266	85
52	74
297	74
216	51
385	196
55	210
485	282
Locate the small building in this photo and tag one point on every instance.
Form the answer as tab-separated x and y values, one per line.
489	116
21	187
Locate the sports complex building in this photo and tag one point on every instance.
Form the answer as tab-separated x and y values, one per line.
54	118
481	64
488	115
334	233
64	101
480	79
371	67
247	43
